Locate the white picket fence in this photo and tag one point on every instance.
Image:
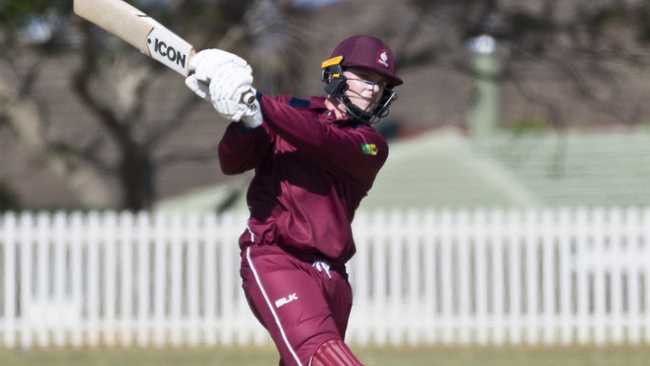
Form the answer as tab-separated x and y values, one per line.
486	277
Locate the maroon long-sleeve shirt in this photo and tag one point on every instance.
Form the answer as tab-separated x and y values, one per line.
311	172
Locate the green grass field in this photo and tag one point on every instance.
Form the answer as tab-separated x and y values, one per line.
370	356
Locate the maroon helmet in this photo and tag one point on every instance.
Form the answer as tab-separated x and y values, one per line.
369	53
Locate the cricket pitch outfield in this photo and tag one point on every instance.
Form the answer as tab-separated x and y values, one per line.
462	356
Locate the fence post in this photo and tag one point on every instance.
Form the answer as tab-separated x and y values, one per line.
565	231
646	275
616	258
160	284
25	234
76	247
396	270
496	236
583	292
446	278
38	315
514	238
461	227
109	233
94	240
599	273
9	235
209	225
481	276
633	236
415	271
532	279
176	245
430	267
549	226
143	243
192	267
60	247
227	279
127	240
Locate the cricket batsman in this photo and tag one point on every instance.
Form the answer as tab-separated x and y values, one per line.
314	160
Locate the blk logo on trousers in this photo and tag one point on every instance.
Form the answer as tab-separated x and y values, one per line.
285	300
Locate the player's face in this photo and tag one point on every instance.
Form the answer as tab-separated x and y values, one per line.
365	88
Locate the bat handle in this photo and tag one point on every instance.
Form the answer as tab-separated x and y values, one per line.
248	97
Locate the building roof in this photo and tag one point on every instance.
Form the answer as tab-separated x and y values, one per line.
580	168
444	169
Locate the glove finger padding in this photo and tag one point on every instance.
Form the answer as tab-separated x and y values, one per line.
207	63
230	110
198	87
230	83
215	57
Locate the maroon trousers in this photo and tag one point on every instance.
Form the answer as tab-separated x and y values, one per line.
302	304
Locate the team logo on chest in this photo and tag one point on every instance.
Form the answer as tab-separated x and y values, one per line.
369	149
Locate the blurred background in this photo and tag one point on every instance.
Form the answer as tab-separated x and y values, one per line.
527	104
544	101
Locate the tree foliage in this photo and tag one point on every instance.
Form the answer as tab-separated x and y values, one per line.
584	42
117	87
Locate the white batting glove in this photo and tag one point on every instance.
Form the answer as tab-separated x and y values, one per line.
233	95
230	89
199	88
207	62
204	64
253	116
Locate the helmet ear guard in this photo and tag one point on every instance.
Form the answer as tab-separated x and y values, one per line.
332	75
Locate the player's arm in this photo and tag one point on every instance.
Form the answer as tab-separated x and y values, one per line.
242	148
225	80
357	153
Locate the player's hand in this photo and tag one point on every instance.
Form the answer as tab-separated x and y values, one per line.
198	87
233	95
230	81
204	65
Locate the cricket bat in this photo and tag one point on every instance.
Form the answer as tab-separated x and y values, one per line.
138	29
144	33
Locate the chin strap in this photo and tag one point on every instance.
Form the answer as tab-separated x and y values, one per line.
354	111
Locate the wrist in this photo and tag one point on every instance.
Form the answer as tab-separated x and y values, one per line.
253	119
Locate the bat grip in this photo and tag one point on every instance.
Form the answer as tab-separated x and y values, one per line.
248	97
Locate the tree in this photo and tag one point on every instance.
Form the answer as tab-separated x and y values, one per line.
7	199
593	46
117	86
